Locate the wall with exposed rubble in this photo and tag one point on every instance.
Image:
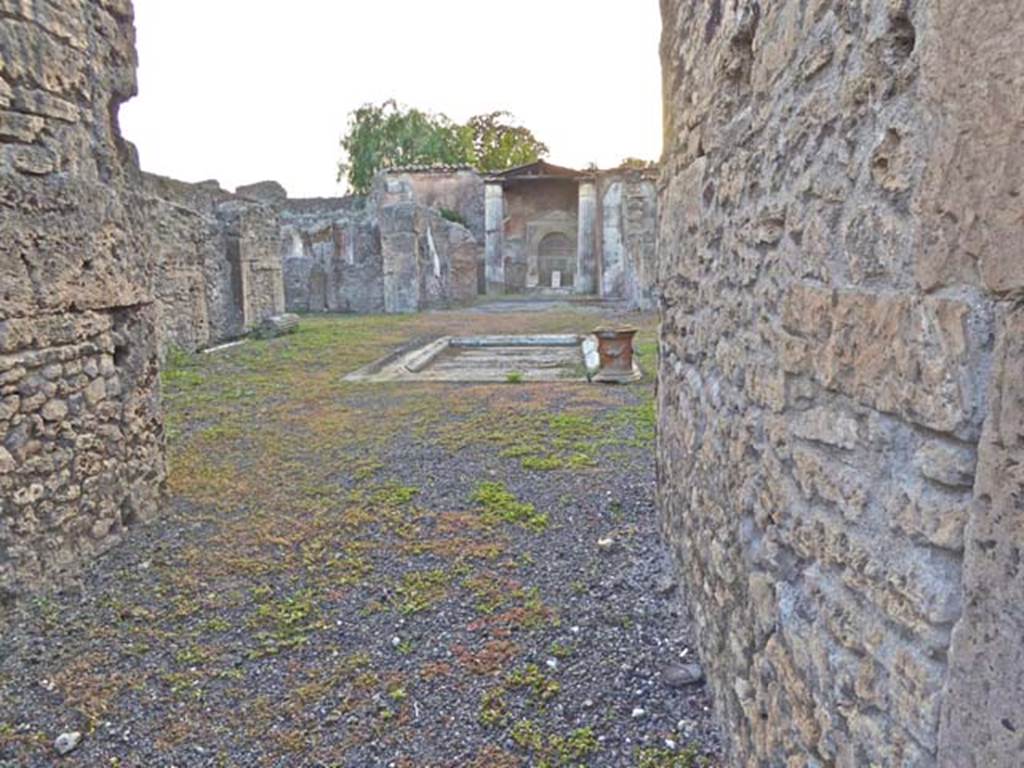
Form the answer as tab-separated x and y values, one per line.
841	451
331	252
387	252
457	190
218	271
81	433
427	261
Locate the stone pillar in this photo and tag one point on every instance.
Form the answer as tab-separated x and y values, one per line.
400	258
586	251
613	252
494	239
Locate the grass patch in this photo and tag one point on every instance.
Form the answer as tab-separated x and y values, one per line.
661	757
498	504
554	751
421	590
284	622
540	685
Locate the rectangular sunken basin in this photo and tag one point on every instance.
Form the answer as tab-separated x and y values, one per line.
488	359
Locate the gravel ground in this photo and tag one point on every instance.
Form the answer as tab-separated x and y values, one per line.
354	575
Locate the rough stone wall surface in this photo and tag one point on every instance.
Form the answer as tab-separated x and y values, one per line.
971	243
841	275
218	271
428	262
187	247
459	190
332	256
629	236
253	235
80	428
640	238
391	251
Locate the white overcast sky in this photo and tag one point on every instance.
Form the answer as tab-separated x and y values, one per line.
248	90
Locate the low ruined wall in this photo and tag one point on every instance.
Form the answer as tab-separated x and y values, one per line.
383	253
80	426
842	407
456	189
253	234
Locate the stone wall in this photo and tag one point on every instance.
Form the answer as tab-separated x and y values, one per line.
629	236
842	425
80	425
331	253
252	232
218	271
427	261
388	252
457	189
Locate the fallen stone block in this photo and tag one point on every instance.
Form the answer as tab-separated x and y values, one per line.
278	325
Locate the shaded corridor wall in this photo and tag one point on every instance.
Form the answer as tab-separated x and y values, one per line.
841	451
81	433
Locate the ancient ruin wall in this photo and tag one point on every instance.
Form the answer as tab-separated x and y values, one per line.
427	261
331	252
629	212
80	426
459	190
842	414
218	271
388	252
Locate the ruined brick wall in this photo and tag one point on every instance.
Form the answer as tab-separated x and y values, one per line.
80	426
218	269
841	383
457	189
427	261
252	232
331	252
192	275
388	252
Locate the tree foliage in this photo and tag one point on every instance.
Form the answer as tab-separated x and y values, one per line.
499	143
638	164
388	135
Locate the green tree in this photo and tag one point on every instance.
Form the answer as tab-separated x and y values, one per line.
392	136
498	143
638	164
389	136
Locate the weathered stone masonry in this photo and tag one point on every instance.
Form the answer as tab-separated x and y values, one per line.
842	378
80	425
218	271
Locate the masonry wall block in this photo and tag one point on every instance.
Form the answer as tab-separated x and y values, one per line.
841	270
81	433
